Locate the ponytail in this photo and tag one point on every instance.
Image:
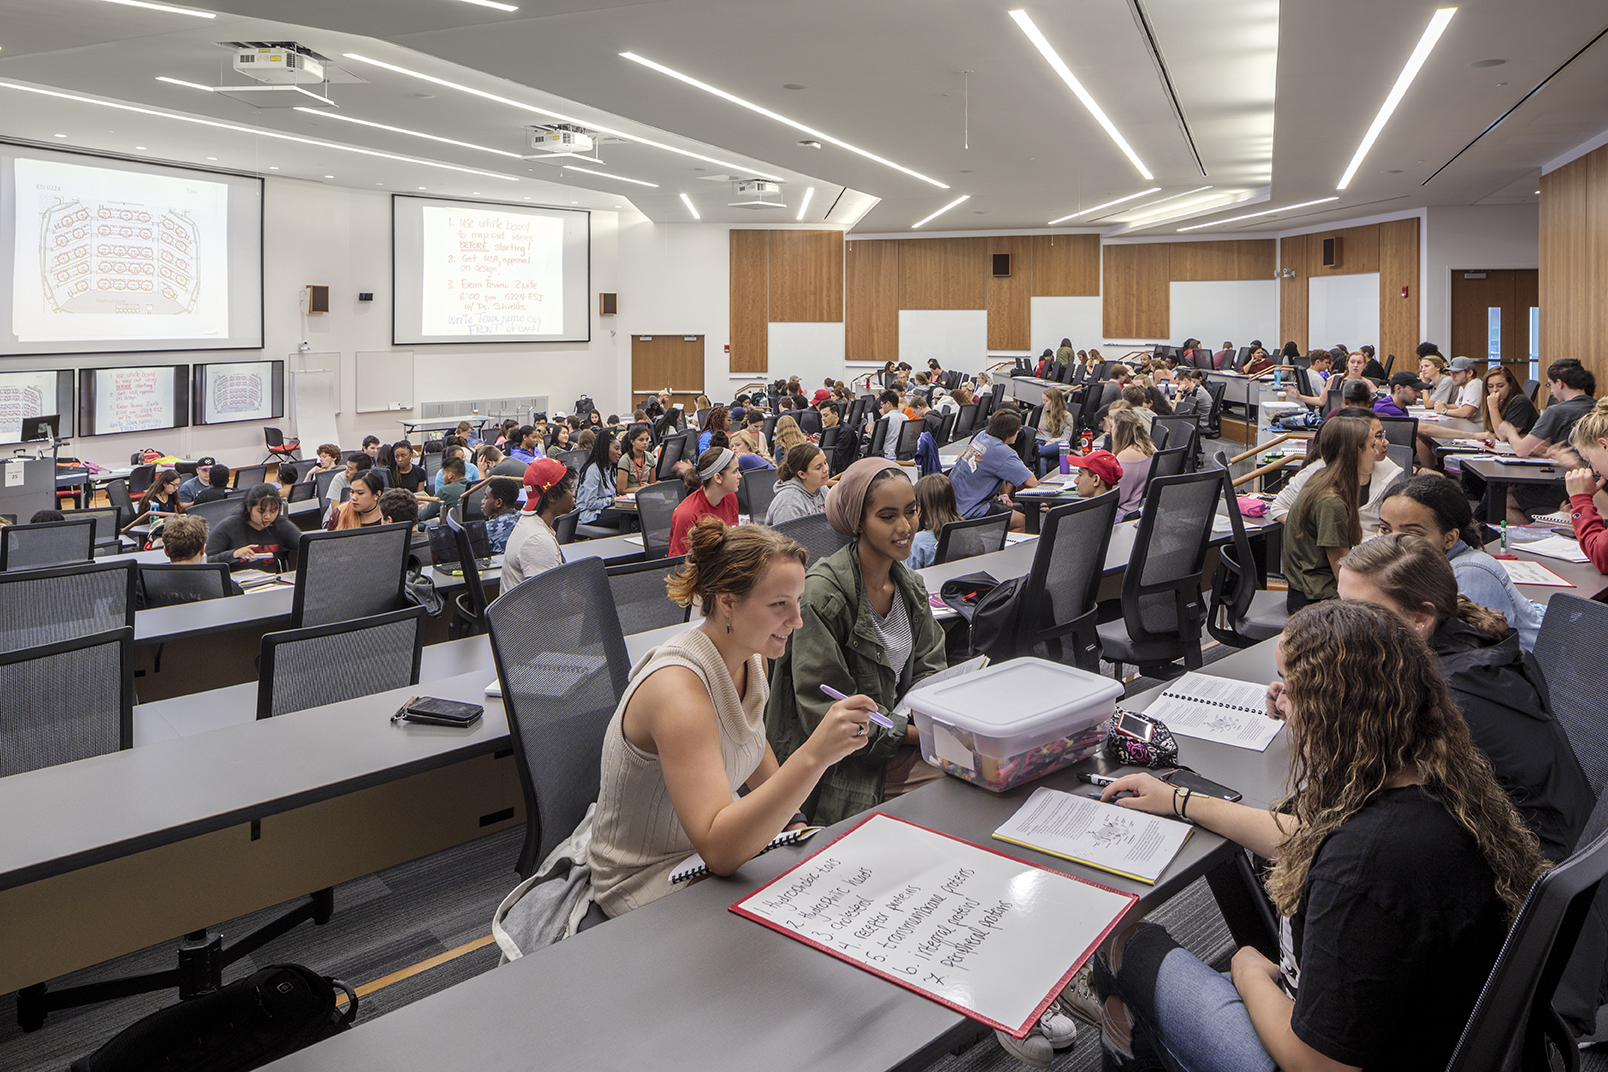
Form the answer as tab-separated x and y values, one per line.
796	461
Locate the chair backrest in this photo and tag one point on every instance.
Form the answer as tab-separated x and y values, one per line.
431	460
966	539
809	422
1216	390
965	420
564	526
321	482
815	533
1400	431
474	503
1569	649
45	606
325	664
1180	431
350	573
573	458
273	437
946	430
563	666
50	543
1161	588
879	438
640	598
108	522
909	436
1390	364
249	476
656	505
1168	462
767	427
1235	582
67	700
142	477
1160	436
1513	1019
755	494
1067	568
671	451
474	589
302	491
216	510
829	440
1532	388
165	584
117	494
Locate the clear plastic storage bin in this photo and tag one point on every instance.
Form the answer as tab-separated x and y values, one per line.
1013	722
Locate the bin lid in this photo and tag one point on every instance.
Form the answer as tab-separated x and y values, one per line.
1014	698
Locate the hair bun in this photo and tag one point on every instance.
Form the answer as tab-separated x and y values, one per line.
704	538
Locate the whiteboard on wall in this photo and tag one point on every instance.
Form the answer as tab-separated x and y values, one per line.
314	398
1054	319
811	351
1343	309
384	380
1219	310
958	338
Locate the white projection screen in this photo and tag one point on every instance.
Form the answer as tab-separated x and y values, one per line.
105	255
477	271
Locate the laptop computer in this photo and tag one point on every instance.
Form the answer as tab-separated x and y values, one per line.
444	547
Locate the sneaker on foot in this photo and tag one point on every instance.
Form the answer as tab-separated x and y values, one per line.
1033	1050
1057	1026
1079	998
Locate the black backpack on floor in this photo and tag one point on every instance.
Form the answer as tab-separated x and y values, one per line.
261	1018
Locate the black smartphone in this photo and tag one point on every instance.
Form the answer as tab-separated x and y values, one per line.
437	712
1205	786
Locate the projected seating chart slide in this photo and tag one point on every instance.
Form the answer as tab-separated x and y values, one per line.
239	391
33	394
492	272
105	254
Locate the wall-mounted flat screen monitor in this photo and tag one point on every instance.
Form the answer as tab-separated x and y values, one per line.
134	398
238	391
34	394
105	255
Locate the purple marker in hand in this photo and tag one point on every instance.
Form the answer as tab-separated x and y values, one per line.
876	716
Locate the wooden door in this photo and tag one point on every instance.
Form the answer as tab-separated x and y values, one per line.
673	361
1491	316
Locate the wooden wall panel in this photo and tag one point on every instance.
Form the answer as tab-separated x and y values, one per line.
750	299
1246	259
806	276
1065	266
1293	290
1574	262
871	301
1009	315
1135	303
1397	245
943	273
1359	252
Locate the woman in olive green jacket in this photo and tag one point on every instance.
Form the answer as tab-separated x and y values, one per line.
868	628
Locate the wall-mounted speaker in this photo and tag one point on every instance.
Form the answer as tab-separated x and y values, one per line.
608	304
1002	264
1331	252
317	299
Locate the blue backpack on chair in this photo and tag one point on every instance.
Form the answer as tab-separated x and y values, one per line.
927	459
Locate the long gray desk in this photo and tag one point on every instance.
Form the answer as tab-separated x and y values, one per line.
705	989
1500	477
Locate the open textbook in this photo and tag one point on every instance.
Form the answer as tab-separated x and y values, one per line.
1217	709
1104	836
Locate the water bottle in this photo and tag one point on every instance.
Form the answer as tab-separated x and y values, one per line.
1088	441
1066	458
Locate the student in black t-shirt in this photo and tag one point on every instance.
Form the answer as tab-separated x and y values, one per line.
1571	386
257	535
1393	909
405	474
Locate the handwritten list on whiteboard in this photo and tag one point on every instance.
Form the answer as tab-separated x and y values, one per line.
492	272
987	935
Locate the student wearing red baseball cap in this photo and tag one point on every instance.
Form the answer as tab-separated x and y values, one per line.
1098	473
532	544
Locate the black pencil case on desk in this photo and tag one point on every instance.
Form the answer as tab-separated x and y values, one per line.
435	712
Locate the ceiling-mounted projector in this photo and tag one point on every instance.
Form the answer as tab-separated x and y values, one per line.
561	141
757	193
278	66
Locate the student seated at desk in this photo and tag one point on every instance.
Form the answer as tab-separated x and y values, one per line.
1498	687
525	445
1505	400
217	485
287	475
990	469
1384	474
357	463
184	541
454	449
1398	868
1133	449
1324	523
1470	399
362	509
397	507
1098	472
1314	378
501	507
689	731
867	628
1404	389
494	463
714	478
532	546
1432	370
1436	509
1571	386
194	486
1587	500
162	497
1257	362
800	485
44	517
371	447
935	499
455	483
404	474
329	457
637	467
258	532
594	496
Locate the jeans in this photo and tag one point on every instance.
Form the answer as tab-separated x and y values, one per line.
1182	1015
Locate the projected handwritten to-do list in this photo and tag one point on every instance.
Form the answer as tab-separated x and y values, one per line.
134	399
491	273
981	932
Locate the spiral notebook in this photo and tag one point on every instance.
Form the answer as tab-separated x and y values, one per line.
694	866
1217	709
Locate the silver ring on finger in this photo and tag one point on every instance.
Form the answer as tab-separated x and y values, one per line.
861	731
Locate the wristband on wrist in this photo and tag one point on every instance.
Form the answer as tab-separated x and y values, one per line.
798	817
1183	809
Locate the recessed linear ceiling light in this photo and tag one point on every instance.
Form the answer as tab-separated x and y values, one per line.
186	85
321	113
1108	204
1264	212
253	131
767	113
166	7
805	204
606	175
1163	201
743	168
685	200
1426	43
1211	204
940	212
1047	50
492	3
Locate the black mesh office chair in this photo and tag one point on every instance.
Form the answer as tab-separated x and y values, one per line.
1401	433
1181	431
815	533
166	584
50	543
564	526
879	438
117	494
45	606
66	701
767	427
755	494
469	609
946	429
325	664
249	476
302	491
572	458
474	503
1242	611
140	478
215	511
562	665
809	422
966	539
1162	606
1569	648
109	521
1214	417
965	421
351	573
909	436
1168	462
640	599
656	504
670	452
321	483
